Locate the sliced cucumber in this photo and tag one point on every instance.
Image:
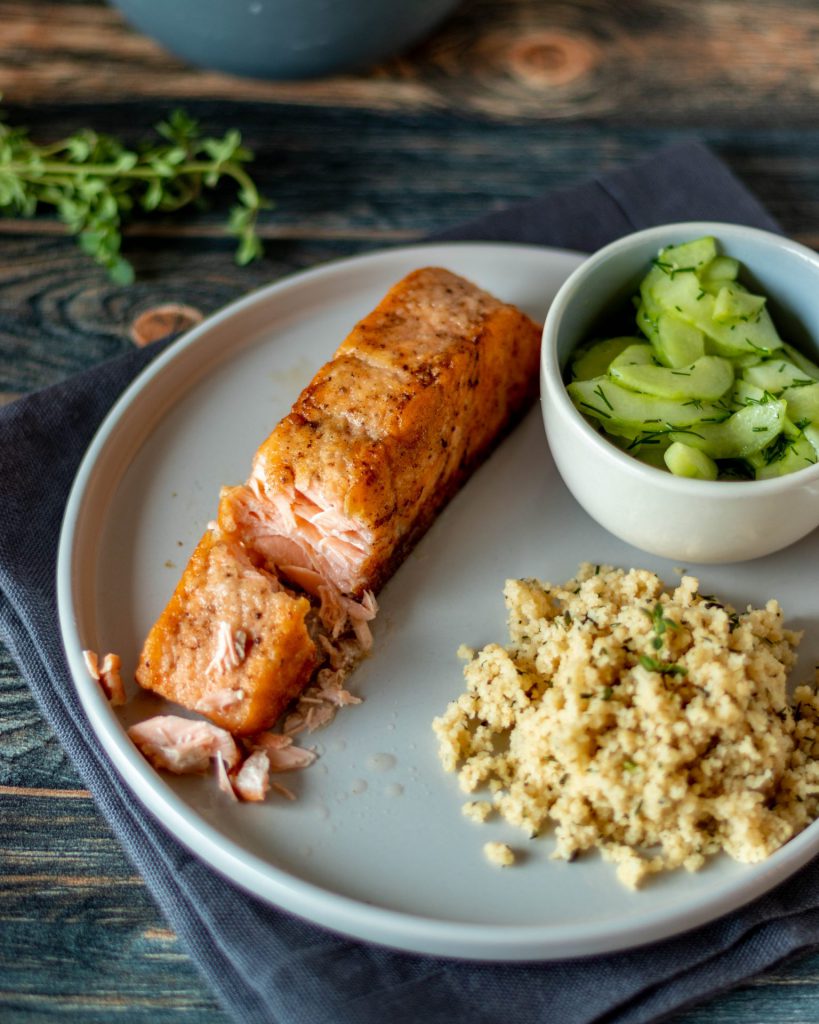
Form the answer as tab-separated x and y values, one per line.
742	434
803	404
810	368
678	342
688	255
734	303
594	360
617	407
744	393
747	431
775	375
786	454
675	291
707	379
729	339
681	293
741	360
812	434
647	322
639	354
709	390
683	460
651	453
720	269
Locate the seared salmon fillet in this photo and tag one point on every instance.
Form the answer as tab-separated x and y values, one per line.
386	432
383	436
231	642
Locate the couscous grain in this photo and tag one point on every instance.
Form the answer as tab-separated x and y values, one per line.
654	726
499	854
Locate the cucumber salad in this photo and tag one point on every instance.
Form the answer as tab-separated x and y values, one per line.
706	388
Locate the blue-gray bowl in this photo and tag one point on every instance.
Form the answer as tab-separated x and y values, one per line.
285	38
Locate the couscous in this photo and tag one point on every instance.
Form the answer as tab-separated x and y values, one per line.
652	725
499	854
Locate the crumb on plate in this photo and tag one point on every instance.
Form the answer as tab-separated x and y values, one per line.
500	854
477	810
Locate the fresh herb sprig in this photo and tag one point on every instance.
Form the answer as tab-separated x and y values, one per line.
663	667
96	184
659	624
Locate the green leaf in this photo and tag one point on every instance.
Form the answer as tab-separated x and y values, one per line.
179	128
152	196
239	219
250	249
121	272
126	161
663	667
79	147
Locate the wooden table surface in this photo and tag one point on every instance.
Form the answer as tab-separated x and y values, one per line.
509	98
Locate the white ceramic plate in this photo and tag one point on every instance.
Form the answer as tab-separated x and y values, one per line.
376	845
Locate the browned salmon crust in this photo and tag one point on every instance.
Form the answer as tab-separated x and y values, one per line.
376	444
230	642
415	397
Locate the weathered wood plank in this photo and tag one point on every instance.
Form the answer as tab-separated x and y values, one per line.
79	935
512	60
786	995
344	182
363	174
45	794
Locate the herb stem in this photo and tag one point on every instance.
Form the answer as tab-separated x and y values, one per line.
97	184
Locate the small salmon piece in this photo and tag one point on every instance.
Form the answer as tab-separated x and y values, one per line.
231	642
311	714
223	779
111	680
107	675
252	781
182	745
92	664
331	690
283	755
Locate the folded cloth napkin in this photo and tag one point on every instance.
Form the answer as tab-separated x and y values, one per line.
264	965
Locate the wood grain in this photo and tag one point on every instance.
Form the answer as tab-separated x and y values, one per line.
515	59
80	937
343	182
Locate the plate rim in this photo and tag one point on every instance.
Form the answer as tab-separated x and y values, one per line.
276	886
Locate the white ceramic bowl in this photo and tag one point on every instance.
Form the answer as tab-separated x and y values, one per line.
688	520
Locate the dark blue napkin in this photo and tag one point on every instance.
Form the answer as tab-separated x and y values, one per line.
264	965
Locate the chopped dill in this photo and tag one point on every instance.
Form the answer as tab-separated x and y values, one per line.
596	411
602	394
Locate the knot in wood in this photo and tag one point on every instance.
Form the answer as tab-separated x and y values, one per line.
551	58
160	321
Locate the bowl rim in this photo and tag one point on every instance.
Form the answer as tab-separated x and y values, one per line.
552	376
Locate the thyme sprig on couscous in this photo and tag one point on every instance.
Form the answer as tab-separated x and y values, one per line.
654	726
